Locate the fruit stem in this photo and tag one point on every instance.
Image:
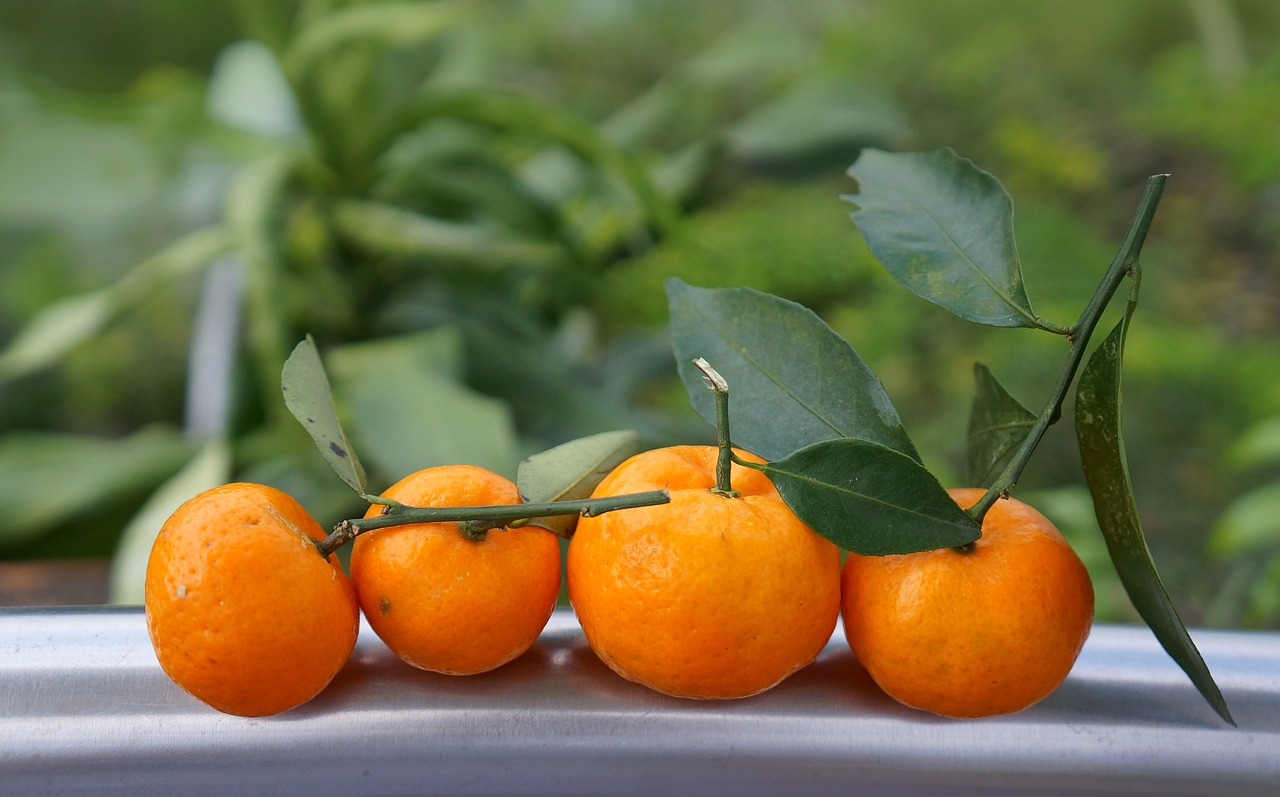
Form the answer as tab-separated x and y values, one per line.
478	519
724	460
1124	265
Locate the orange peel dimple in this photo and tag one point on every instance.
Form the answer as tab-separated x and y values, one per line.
707	596
239	614
446	603
972	634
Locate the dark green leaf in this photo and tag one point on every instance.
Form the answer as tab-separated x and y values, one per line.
1098	429
309	398
998	424
571	471
870	499
792	380
944	229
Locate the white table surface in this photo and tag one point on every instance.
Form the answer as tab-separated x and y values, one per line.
85	709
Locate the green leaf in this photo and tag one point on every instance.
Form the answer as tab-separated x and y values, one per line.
247	90
409	409
1251	524
998	424
383	230
56	330
944	229
1258	446
835	110
48	479
308	396
792	380
389	24
208	469
519	113
253	208
571	471
1098	430
75	320
870	499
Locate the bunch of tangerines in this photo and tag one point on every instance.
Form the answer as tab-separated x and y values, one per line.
718	592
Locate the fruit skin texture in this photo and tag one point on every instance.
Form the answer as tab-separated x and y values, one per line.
990	631
447	604
707	596
242	610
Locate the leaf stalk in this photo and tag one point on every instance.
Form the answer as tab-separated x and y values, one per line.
475	520
1124	265
725	458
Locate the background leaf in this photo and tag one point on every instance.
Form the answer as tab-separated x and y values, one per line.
571	471
792	380
47	479
1250	525
391	24
1098	430
870	499
944	229
998	424
1259	445
409	410
836	112
58	329
383	229
75	320
308	396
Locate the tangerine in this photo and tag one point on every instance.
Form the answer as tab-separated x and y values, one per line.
708	596
988	629
243	611
446	603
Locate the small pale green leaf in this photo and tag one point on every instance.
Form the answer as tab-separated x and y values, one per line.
1251	523
870	499
1106	469
944	229
1258	446
308	396
208	469
792	380
248	91
571	471
998	424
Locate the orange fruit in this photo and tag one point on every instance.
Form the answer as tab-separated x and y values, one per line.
446	603
707	596
243	611
976	632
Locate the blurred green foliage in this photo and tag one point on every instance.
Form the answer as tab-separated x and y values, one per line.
472	206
